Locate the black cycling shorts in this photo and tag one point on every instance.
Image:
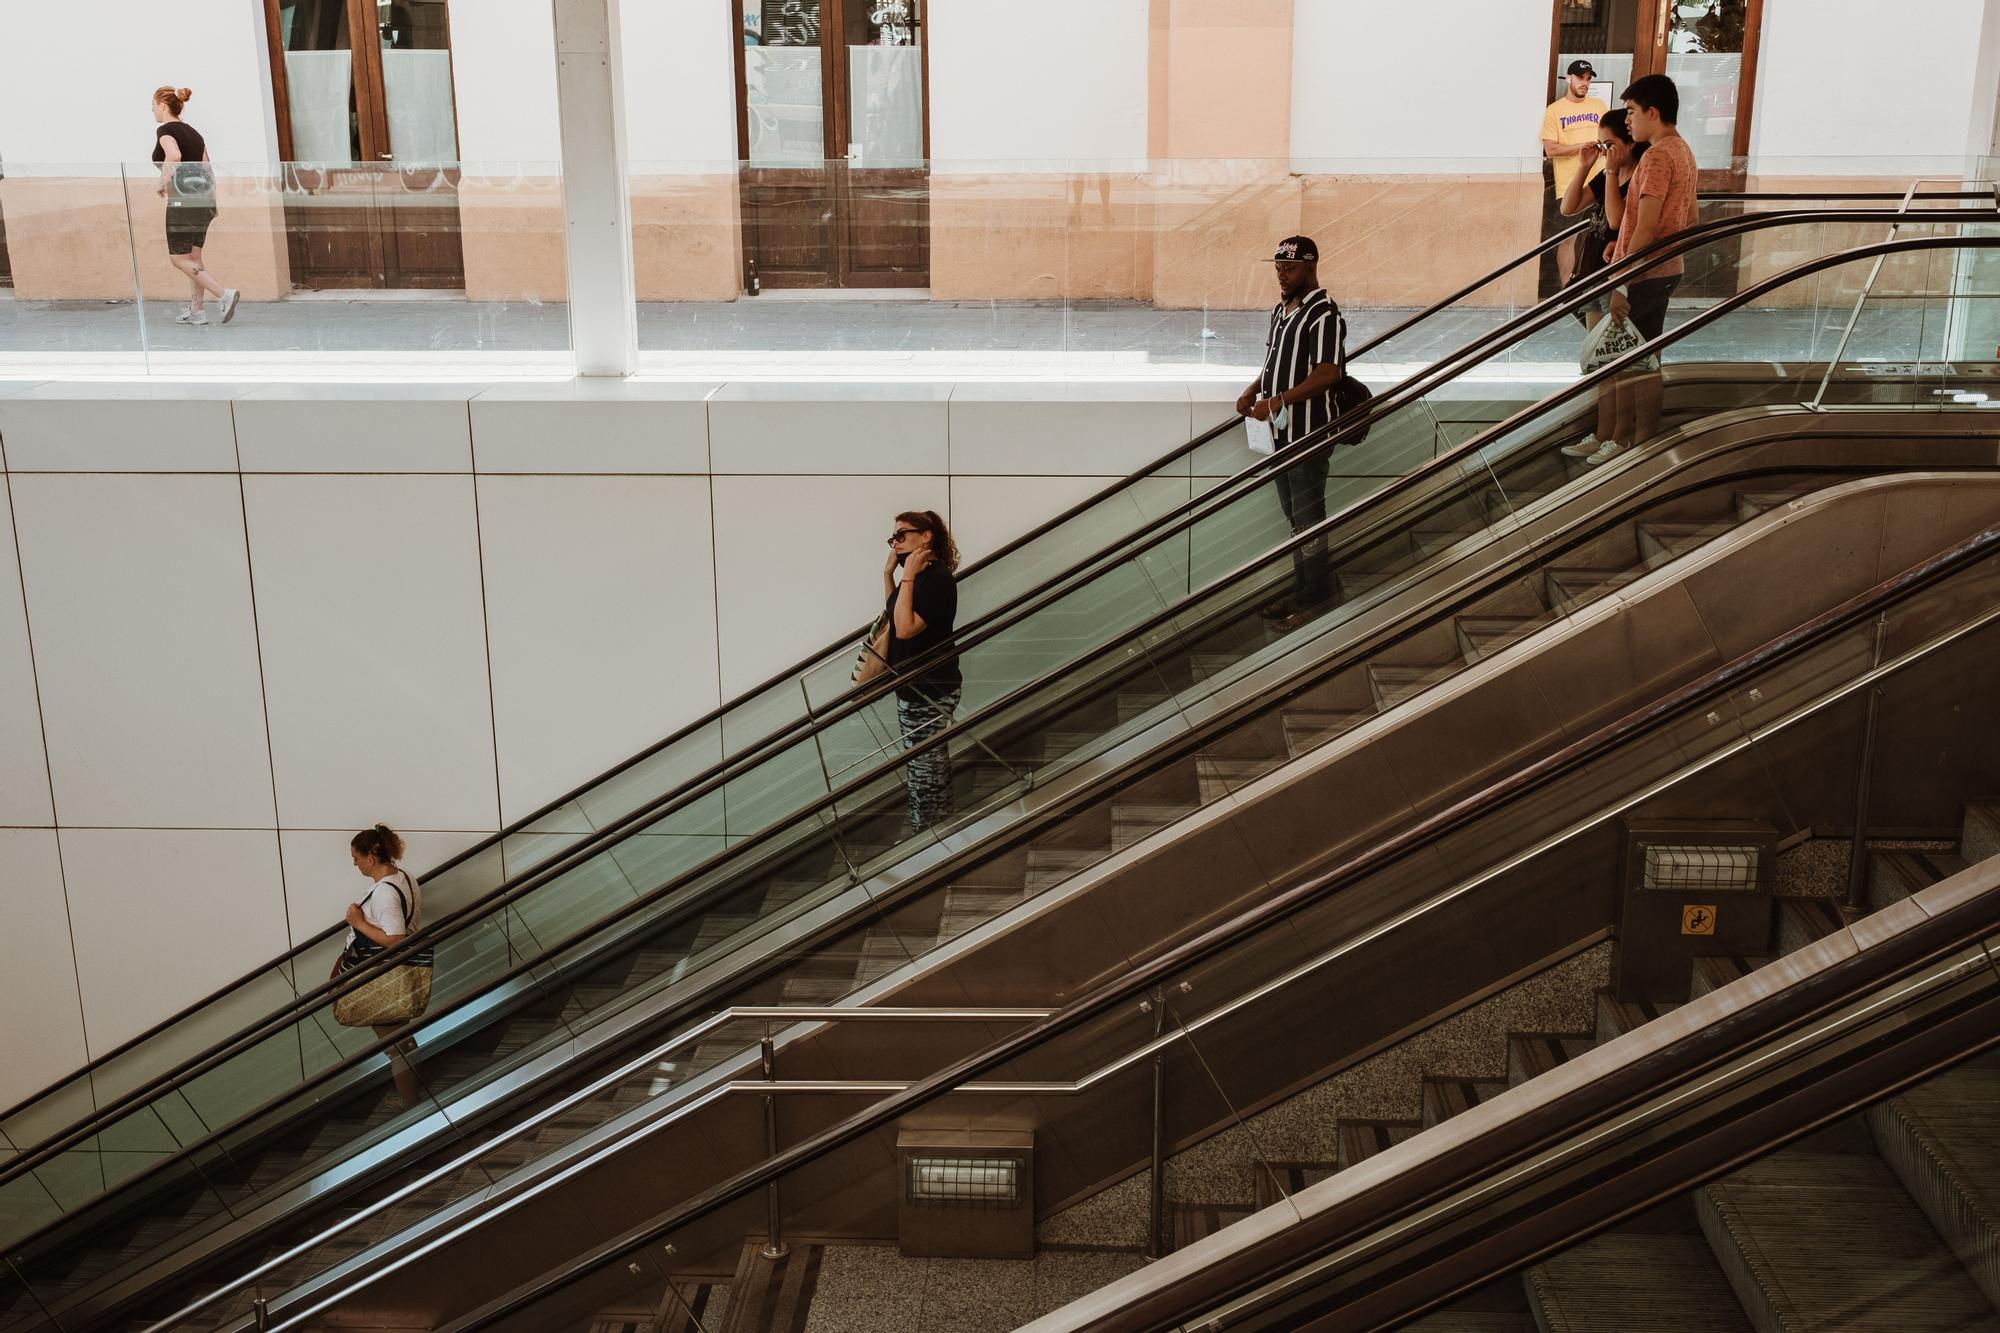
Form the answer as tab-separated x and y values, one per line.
187	227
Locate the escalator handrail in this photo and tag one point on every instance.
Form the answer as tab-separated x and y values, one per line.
193	1066
1146	976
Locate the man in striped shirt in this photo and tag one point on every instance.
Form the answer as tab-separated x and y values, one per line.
1303	358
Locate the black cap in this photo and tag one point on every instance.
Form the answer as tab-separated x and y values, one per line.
1582	67
1298	249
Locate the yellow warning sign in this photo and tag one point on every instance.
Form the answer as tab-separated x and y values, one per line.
1697	918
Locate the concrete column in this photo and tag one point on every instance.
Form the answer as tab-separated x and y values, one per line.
597	225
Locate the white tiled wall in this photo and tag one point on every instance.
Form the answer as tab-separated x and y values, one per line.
250	619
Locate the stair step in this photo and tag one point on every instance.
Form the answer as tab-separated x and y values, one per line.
883	951
1276	1181
1661	542
1193	1221
1050	866
1570	588
1393	684
1895	875
1979	837
1360	1140
1354	583
1716	971
1482	636
1448	1095
1309	728
1473	1321
1605	1282
1616	1017
1532	1054
1429	541
1942	1141
1817	1239
1803	921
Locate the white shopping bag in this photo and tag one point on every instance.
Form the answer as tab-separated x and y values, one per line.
1258	435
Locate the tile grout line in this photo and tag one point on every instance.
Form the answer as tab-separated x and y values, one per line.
485	630
49	774
263	687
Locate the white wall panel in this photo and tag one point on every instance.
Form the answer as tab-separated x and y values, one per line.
139	602
813	568
1841	79
593	425
503	79
989	512
1106	430
600	596
74	83
24	769
162	917
124	427
320	879
37	967
369	612
828	428
355	428
1456	79
680	82
1043	82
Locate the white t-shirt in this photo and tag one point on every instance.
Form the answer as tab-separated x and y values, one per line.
383	909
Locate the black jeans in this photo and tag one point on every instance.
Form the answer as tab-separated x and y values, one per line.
1302	494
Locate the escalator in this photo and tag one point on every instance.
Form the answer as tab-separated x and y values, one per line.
1803	1139
1469	545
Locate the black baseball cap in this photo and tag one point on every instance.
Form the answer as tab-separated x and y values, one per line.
1582	67
1296	249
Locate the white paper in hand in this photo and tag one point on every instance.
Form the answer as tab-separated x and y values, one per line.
1259	436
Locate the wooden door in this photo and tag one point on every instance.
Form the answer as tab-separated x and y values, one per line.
365	124
833	132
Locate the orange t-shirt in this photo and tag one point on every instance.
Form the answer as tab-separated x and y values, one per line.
1667	172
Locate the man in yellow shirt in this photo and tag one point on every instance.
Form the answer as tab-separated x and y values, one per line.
1567	126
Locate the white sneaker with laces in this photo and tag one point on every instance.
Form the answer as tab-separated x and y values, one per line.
1583	448
191	317
1610	450
229	299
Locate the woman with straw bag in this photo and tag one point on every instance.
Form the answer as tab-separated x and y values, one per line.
387	913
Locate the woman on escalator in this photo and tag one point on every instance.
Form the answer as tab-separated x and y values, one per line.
919	614
379	920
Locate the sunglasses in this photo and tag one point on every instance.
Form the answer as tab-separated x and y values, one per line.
901	533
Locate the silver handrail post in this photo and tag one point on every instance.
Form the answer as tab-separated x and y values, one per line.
774	1245
1867	289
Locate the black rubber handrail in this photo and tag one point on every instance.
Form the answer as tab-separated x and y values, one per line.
834	649
1217	498
1145	977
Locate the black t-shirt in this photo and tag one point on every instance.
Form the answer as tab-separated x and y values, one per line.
193	182
935	600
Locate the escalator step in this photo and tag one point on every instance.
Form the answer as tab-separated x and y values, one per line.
1803	921
1135	823
1395	684
1532	1054
967	906
1309	728
1217	779
1816	1239
1447	1095
1193	1221
1273	1182
1635	1280
1942	1140
1570	589
1749	504
1482	636
1661	542
1616	1017
1360	1140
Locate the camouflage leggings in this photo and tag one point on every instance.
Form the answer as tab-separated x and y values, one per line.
927	775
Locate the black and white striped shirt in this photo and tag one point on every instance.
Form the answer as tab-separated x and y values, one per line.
1301	340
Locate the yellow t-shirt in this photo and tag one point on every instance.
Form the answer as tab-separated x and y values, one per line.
1571	122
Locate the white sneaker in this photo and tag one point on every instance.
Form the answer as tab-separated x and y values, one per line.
1610	450
1583	448
229	299
191	317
